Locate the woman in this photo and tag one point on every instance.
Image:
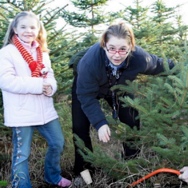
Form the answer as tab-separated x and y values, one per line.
114	60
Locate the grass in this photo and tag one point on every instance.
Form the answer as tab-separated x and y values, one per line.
100	178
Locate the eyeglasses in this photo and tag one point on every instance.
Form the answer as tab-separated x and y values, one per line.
122	51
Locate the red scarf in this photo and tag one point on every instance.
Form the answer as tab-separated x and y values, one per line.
35	66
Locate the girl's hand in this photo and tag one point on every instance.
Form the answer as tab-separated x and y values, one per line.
47	89
104	133
184	174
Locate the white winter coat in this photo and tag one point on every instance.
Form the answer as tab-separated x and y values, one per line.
23	101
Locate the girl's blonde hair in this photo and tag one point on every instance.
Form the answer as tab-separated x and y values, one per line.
42	35
119	30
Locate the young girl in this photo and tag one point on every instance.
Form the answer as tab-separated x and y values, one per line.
28	84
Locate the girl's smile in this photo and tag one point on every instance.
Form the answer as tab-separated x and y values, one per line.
27	29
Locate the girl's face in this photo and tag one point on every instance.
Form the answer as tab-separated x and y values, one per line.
117	50
27	29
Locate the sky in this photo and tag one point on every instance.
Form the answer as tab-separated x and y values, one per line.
115	5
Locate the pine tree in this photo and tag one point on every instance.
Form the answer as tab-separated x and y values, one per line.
90	16
167	30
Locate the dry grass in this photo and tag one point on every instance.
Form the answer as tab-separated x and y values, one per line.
100	179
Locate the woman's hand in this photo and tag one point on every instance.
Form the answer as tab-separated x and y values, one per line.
104	133
47	89
184	174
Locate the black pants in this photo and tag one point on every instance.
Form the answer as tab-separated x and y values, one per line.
81	127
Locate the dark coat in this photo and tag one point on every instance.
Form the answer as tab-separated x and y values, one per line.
93	82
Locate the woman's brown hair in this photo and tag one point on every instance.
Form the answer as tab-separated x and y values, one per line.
119	30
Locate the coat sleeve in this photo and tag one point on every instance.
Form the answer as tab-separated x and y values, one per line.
88	88
14	77
156	65
151	64
50	78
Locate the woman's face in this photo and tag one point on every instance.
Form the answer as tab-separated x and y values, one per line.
117	50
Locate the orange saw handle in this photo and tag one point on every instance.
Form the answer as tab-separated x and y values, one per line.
161	170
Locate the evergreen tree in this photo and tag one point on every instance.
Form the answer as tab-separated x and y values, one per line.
89	14
89	18
166	37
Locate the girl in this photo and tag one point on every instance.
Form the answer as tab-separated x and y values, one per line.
114	60
28	84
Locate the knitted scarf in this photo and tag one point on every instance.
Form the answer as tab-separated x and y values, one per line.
35	66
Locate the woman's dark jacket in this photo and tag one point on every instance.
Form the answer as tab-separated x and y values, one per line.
93	82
